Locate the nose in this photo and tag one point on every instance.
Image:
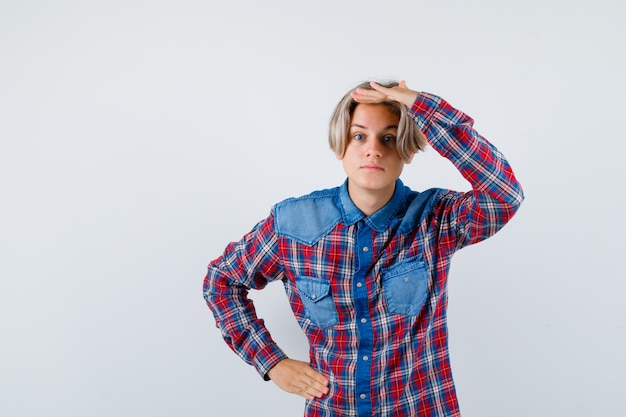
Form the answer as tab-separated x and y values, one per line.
374	148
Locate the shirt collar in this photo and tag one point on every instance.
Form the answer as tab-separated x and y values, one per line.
378	221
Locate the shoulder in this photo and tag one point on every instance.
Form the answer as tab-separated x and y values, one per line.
309	217
420	205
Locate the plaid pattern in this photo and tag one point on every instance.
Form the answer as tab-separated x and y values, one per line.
370	293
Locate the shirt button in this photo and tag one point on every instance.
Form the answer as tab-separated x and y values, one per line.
406	279
359	284
365	249
313	296
363	320
365	357
362	396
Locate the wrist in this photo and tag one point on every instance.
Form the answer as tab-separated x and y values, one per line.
268	375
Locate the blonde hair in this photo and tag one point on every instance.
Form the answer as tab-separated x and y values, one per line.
410	139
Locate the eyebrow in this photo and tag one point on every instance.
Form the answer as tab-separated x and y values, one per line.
365	127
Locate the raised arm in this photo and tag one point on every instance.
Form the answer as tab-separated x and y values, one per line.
496	194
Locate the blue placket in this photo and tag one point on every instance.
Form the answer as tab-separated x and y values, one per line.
363	322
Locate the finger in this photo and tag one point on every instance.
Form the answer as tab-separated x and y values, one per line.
309	396
317	377
385	91
303	389
318	390
312	393
299	386
302	392
315	389
403	84
368	96
318	383
366	92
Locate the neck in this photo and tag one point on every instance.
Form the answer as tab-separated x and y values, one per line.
369	202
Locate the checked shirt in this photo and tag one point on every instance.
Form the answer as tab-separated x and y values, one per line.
369	292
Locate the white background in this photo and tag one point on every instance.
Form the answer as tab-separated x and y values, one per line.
137	138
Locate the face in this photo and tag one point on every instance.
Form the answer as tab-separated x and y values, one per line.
371	160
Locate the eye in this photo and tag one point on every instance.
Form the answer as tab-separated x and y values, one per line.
389	139
358	136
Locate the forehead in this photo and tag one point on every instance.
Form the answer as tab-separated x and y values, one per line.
374	115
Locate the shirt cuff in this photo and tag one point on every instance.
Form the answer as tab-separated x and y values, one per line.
267	358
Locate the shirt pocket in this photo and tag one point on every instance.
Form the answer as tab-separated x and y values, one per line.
317	299
405	286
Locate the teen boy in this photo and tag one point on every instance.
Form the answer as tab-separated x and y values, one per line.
365	265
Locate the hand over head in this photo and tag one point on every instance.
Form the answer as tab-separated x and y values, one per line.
379	94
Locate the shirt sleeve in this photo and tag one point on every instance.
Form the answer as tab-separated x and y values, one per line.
248	264
471	217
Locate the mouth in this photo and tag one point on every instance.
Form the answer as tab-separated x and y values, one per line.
372	167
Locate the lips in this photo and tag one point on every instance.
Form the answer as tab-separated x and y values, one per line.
372	167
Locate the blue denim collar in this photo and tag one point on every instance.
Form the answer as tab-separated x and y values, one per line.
378	221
